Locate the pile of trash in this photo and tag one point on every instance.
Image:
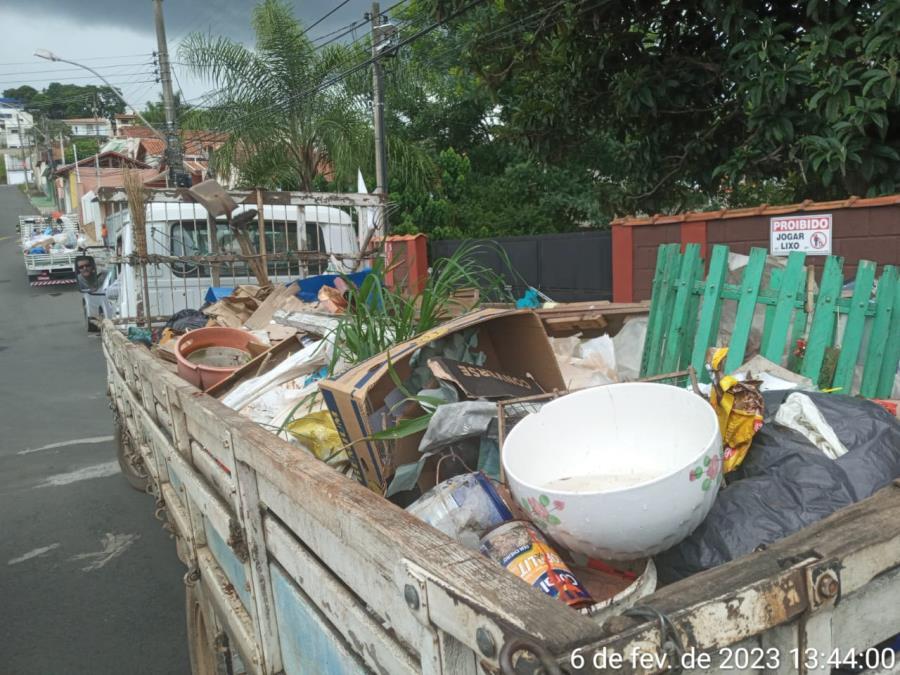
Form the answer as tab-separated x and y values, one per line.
59	237
233	348
814	454
424	423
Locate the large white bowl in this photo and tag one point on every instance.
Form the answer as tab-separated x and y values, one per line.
621	471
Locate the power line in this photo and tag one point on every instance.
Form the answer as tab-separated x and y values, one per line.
394	6
323	17
180	90
66	79
70	70
346	29
501	31
489	38
83	58
115	85
359	66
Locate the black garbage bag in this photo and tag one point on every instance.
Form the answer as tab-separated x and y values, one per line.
187	319
786	483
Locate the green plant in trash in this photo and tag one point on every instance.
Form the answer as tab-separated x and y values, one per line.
379	317
411	426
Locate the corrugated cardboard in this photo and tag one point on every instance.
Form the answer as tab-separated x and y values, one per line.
514	343
479	382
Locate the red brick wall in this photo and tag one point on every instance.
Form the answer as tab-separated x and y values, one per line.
866	233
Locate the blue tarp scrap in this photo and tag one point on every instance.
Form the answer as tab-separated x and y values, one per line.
216	293
531	300
309	287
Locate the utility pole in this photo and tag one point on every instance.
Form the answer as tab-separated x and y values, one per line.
174	156
22	146
378	112
97	134
61	196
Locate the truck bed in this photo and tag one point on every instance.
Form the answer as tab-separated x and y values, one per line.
36	263
299	569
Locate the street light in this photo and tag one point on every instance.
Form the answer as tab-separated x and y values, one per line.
50	56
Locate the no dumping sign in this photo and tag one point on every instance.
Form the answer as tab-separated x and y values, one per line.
806	234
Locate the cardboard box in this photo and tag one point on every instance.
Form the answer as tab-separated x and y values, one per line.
514	343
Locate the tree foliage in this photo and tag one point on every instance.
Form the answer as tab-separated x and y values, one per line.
62	101
525	116
86	147
696	101
155	111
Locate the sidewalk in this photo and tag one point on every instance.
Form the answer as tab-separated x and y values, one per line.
41	202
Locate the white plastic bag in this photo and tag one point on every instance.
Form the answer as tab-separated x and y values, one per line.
628	345
798	412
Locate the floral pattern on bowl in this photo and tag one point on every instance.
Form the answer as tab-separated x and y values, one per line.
541	510
708	471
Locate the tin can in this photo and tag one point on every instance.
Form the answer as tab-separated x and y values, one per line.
523	550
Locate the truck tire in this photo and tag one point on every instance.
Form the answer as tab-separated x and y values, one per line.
130	462
207	656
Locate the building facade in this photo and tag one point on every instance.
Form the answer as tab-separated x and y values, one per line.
93	127
15	125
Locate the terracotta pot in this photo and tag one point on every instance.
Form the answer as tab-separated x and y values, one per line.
207	356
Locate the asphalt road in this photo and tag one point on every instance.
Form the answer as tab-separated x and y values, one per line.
89	581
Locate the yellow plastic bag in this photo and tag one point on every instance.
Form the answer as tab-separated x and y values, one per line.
739	407
168	335
318	434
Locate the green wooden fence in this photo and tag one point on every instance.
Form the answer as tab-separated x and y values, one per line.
686	310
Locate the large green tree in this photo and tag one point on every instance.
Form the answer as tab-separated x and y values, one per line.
698	101
61	101
487	181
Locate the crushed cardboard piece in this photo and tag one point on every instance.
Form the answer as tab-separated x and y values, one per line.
332	300
461	302
594	317
165	351
513	342
308	320
277	332
480	382
281	295
235	309
580	323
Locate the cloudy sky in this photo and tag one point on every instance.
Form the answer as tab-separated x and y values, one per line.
116	37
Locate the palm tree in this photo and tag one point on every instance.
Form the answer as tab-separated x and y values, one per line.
286	125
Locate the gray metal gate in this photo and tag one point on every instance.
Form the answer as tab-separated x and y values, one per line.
566	267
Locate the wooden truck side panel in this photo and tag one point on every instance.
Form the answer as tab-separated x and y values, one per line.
307	571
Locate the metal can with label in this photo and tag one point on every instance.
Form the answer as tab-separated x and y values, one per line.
523	550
